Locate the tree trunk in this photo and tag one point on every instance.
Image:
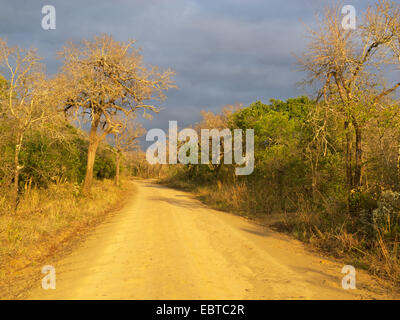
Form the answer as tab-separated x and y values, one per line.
349	175
87	184
118	161
15	192
93	144
314	181
398	165
358	163
17	168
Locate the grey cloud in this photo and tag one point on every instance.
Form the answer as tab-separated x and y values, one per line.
223	51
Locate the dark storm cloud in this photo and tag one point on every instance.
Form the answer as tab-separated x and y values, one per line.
224	51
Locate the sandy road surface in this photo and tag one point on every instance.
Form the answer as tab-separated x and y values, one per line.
166	245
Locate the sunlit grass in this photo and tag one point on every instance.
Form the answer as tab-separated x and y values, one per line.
47	218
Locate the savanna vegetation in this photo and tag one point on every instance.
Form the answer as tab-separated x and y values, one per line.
327	168
327	165
64	141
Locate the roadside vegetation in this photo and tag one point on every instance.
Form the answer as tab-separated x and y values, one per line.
327	168
47	223
327	165
64	142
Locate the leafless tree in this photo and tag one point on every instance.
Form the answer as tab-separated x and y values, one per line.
27	99
125	139
349	67
219	121
102	78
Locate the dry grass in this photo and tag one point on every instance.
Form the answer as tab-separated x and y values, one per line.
239	198
377	255
46	222
327	231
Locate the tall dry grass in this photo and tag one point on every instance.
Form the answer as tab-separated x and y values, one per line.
367	245
240	198
45	222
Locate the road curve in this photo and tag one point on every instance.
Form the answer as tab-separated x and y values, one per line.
166	245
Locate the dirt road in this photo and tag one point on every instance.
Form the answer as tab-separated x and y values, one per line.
166	245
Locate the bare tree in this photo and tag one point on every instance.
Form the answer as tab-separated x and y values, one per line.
125	139
349	67
26	100
102	78
219	121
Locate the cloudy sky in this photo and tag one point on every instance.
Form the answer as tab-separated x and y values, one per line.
223	51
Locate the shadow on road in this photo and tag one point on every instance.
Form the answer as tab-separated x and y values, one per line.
181	202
